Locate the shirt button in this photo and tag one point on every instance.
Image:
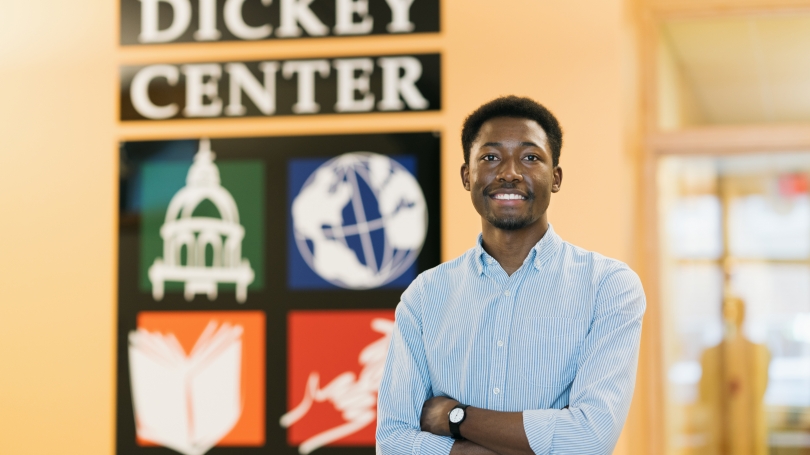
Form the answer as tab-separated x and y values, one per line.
496	391
500	343
507	293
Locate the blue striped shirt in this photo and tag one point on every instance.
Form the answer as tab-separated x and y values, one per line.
563	330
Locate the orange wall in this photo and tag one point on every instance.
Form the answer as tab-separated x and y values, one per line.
58	169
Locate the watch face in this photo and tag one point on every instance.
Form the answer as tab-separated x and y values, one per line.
456	415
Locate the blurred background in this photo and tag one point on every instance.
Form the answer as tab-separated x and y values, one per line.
687	155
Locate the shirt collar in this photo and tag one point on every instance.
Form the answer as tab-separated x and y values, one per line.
542	251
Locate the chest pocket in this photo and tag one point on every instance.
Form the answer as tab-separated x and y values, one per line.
548	349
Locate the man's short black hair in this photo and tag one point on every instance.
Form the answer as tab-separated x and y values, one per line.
514	107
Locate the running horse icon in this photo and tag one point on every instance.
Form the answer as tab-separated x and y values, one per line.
355	397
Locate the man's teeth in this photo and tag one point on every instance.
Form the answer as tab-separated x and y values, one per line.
507	196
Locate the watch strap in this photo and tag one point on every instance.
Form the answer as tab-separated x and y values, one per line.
455	427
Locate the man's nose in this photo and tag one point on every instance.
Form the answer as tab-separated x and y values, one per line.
510	170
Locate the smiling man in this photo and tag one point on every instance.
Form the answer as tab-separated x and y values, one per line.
526	343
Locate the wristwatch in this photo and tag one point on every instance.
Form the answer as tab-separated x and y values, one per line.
456	416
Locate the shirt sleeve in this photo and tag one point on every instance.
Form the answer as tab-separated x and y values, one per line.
603	387
406	386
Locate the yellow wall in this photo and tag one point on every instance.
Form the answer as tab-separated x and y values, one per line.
58	169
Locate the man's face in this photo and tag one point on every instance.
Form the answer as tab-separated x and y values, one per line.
510	174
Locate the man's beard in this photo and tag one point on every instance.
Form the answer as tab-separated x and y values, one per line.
512	223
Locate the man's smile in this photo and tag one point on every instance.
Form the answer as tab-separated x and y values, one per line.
508	196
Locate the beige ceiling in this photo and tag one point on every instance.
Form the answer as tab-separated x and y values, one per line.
744	69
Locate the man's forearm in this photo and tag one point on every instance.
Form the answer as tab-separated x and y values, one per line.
470	448
501	432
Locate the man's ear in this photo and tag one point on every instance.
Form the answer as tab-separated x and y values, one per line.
465	176
558	174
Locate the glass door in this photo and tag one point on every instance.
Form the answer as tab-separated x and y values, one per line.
735	285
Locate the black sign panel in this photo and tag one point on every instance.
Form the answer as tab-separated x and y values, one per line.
257	282
180	21
392	83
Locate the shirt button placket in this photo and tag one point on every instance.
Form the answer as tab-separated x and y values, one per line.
501	356
503	312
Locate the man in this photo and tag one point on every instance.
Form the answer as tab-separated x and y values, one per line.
526	343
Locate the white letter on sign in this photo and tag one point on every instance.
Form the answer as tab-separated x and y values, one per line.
236	23
139	91
208	22
348	84
400	16
394	85
197	90
295	11
306	82
149	21
345	11
264	97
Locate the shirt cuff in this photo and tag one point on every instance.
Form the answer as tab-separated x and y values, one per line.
539	427
431	444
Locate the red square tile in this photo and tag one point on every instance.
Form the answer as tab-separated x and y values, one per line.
335	362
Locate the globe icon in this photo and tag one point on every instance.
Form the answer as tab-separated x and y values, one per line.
360	220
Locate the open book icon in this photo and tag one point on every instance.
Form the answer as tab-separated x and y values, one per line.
187	403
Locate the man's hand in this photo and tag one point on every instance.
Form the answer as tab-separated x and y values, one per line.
435	415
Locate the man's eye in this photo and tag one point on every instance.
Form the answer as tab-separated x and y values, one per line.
489	157
532	158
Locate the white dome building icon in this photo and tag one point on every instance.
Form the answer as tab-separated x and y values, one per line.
223	234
